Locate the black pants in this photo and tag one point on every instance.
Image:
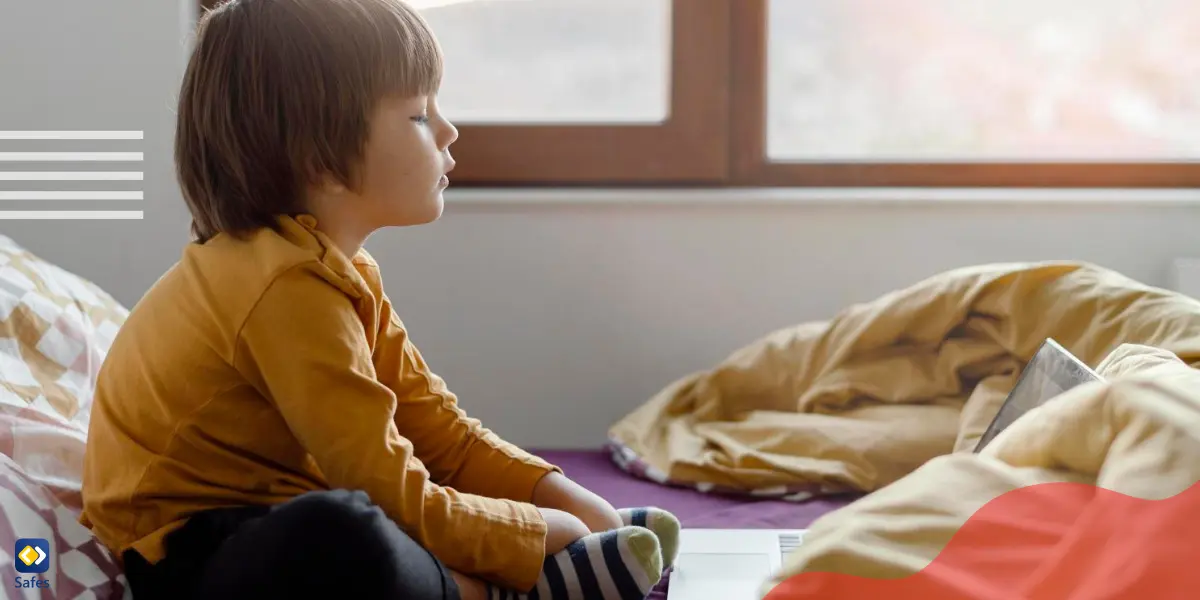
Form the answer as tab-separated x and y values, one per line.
334	544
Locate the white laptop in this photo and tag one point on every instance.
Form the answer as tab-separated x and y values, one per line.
734	564
729	564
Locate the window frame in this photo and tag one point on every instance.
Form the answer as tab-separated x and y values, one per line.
715	134
689	148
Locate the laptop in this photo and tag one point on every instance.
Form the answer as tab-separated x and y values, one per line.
733	564
1052	371
729	564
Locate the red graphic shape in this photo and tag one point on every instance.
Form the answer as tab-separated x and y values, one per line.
1053	541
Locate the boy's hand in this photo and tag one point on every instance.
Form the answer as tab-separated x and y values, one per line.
558	492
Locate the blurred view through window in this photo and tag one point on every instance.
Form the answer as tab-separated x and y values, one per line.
880	82
556	61
984	79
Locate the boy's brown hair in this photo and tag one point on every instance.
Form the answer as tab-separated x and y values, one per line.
280	92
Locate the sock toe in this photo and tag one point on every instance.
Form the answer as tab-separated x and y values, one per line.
644	545
667	527
664	524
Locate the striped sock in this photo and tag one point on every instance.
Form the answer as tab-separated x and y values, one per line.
621	564
662	523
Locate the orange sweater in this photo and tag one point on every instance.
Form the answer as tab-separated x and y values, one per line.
254	371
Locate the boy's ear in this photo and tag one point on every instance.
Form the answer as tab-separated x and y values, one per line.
333	185
330	184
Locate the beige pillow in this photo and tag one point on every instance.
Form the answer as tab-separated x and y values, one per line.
55	330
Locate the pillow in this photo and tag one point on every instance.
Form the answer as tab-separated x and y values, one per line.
80	566
55	330
48	452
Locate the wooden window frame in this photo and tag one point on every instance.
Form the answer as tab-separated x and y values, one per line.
715	134
689	148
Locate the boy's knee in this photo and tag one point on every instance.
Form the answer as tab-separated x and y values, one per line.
350	534
304	547
333	502
335	517
341	520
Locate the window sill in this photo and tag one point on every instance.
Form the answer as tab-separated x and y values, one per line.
1184	197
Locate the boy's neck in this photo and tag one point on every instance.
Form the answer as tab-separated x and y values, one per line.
346	235
341	226
347	239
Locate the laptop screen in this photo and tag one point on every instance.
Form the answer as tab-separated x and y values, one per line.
1052	371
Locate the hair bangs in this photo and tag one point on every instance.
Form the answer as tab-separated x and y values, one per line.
412	60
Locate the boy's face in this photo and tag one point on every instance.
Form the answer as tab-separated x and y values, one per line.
405	163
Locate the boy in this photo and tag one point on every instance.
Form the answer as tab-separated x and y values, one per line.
263	426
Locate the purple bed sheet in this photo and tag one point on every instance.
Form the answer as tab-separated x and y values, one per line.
595	471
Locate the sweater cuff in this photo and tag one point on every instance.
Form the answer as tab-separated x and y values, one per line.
530	545
525	476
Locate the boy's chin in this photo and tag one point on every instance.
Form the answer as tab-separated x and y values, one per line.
435	209
423	217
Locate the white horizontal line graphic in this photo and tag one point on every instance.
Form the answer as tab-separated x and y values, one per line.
59	156
54	195
71	135
65	215
70	175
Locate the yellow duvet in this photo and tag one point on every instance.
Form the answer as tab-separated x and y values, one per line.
890	396
1137	434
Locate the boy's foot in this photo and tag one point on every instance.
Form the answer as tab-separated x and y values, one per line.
662	523
622	564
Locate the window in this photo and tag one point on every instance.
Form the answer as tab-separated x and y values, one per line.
969	79
585	91
971	92
1089	93
607	64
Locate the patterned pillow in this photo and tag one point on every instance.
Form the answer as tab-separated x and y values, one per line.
80	566
55	329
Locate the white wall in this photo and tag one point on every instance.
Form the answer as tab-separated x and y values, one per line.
552	319
85	65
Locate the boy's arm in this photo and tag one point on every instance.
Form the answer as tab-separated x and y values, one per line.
305	349
458	451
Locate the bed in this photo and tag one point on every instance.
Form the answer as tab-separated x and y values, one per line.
55	329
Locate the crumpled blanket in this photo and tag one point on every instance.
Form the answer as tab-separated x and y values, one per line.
1122	526
867	397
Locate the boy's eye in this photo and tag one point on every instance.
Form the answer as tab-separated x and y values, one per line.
421	118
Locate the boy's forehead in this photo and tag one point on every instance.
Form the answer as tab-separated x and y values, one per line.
405	102
409	98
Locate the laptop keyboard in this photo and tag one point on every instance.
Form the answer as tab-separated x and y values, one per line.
788	543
